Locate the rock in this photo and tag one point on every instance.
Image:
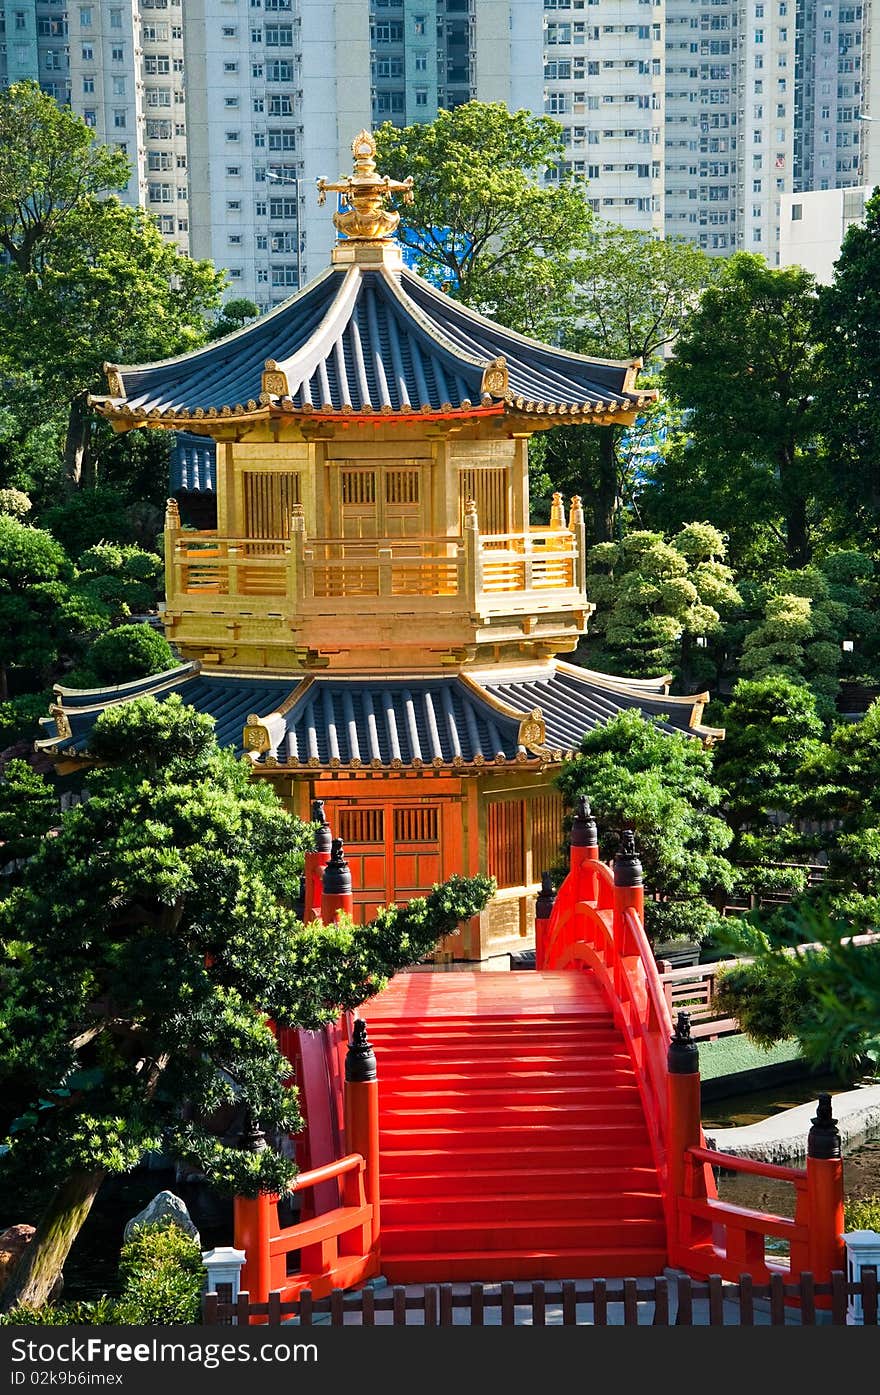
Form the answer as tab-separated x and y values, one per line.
13	1243
166	1207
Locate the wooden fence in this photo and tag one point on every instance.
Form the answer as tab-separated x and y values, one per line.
674	1301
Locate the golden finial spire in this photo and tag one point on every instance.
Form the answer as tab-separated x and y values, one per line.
365	217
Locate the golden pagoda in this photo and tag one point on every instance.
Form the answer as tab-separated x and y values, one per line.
374	621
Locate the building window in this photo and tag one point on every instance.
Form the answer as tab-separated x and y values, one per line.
233	135
421	96
117	54
88	84
507	842
115	19
233	170
797	212
85	16
119	119
90	118
119	87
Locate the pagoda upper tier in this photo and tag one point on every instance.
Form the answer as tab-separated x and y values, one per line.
371	479
372	337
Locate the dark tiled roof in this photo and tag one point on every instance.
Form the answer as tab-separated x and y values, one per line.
443	721
369	339
573	702
395	722
230	701
193	466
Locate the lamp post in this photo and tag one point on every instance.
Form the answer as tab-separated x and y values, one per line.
292	179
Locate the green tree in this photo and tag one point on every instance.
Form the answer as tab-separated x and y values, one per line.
50	165
143	952
106	286
121	655
41	611
772	730
828	996
634	293
483	223
660	784
655	598
848	390
88	278
234	315
745	368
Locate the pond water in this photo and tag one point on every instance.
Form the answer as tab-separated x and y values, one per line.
861	1165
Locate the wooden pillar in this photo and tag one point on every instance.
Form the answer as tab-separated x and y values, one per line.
172	532
362	1116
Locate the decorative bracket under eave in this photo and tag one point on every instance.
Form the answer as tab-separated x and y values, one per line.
533	731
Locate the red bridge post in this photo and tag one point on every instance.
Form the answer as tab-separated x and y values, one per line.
362	1116
629	895
252	1227
684	1127
316	861
336	894
584	849
824	1194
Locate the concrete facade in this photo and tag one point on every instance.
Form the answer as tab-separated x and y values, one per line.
813	226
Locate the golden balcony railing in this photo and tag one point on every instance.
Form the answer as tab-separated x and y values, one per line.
470	573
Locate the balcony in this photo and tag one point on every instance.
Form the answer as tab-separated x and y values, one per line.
401	593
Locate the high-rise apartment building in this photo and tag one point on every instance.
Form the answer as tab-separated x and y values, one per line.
689	117
119	64
604	81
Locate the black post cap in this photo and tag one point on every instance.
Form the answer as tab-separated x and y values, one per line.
683	1054
583	826
253	1140
627	867
323	836
823	1140
336	880
360	1059
546	898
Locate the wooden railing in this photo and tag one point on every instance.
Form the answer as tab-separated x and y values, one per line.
663	1301
469	573
596	923
333	1249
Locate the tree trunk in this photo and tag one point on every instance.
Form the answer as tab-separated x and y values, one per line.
76	442
797	535
605	500
794	504
40	1266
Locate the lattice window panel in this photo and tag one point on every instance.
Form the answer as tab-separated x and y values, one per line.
545	811
418	825
269	497
488	489
402	487
362	825
507	842
358	487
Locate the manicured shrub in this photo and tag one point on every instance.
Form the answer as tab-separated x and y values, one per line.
862	1213
123	654
162	1277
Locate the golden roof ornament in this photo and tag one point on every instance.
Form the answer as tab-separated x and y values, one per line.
365	193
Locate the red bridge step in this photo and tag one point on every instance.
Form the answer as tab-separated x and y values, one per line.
512	1138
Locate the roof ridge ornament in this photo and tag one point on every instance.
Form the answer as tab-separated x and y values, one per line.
364	217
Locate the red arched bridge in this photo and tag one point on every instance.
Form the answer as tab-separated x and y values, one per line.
490	1126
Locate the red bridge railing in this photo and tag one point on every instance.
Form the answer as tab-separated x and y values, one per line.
596	922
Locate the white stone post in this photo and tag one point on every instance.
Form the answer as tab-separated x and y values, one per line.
223	1269
862	1250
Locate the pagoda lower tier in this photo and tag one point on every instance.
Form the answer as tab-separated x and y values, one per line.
422	775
